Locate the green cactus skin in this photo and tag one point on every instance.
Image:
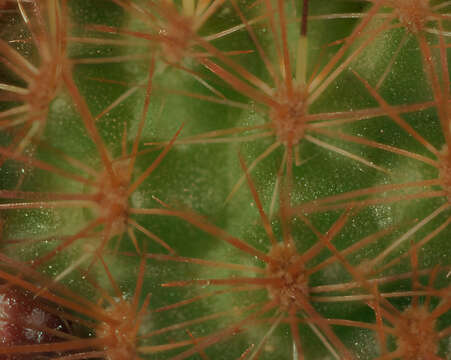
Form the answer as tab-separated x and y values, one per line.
228	179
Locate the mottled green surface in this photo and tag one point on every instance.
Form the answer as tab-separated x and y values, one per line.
199	177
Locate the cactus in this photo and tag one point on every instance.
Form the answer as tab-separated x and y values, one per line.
225	179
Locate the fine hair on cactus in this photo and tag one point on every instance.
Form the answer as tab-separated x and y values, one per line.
225	179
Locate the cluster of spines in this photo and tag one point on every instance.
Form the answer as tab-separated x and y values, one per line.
281	270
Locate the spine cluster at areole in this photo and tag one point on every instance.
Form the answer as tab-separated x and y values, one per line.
225	179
